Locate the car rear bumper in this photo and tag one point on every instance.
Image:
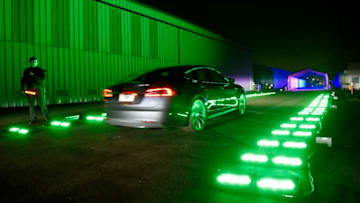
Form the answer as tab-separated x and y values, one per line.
137	119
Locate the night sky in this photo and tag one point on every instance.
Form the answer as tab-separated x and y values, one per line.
288	35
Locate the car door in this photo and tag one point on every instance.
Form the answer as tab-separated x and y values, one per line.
227	96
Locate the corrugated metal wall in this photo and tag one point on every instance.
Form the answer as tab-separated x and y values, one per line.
85	45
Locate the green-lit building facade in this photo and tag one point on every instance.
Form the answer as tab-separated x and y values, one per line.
87	45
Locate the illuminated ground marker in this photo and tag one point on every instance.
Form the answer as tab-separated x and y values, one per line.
289	144
259	94
268	143
297	118
23	131
288	161
72	118
306	126
14	129
302	134
62	124
280	132
303	113
313	119
261	158
288	125
95	118
232	179
275	184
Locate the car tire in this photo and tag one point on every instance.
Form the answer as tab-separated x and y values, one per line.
242	104
197	116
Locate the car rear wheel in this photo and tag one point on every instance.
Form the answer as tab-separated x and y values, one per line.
242	104
197	117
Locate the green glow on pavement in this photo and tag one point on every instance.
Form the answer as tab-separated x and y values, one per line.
232	179
65	124
56	123
280	132
261	158
23	131
72	118
14	129
259	94
307	126
268	143
275	184
313	119
284	160
290	144
302	133
297	118
288	125
59	123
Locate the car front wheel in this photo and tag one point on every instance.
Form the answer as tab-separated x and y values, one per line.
197	117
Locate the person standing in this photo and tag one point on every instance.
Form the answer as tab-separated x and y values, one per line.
32	84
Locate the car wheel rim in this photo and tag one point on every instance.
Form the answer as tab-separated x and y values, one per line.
242	104
198	115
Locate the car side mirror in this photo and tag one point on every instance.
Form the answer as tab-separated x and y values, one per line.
231	80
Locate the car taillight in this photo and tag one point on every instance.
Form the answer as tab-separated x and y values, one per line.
107	93
159	92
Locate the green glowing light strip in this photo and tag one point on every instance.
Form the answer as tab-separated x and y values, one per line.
302	134
260	94
289	161
261	158
312	119
299	145
297	118
72	118
288	125
14	129
280	132
23	131
62	124
306	126
233	179
275	184
268	143
95	118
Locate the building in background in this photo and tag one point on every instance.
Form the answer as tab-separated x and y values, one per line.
266	77
87	45
308	80
351	76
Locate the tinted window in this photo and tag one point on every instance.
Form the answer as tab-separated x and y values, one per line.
216	77
161	76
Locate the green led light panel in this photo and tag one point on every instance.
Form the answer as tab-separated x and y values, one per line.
299	145
302	134
288	125
289	161
268	143
297	118
306	126
232	179
280	132
275	184
261	158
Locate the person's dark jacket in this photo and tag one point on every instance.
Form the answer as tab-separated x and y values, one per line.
32	78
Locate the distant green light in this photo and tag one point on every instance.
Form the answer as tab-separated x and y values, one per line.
275	184
288	125
72	118
56	123
302	134
23	131
297	118
290	144
303	113
104	114
284	160
317	113
261	158
309	109
90	118
95	118
307	126
65	124
14	129
232	179
313	119
280	132
268	143
99	118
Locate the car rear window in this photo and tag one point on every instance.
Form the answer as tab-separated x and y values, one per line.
161	76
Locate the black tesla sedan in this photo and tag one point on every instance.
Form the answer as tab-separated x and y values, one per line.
182	96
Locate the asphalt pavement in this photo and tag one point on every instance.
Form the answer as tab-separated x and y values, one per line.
95	162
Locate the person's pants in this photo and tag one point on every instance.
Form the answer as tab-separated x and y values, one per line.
41	98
